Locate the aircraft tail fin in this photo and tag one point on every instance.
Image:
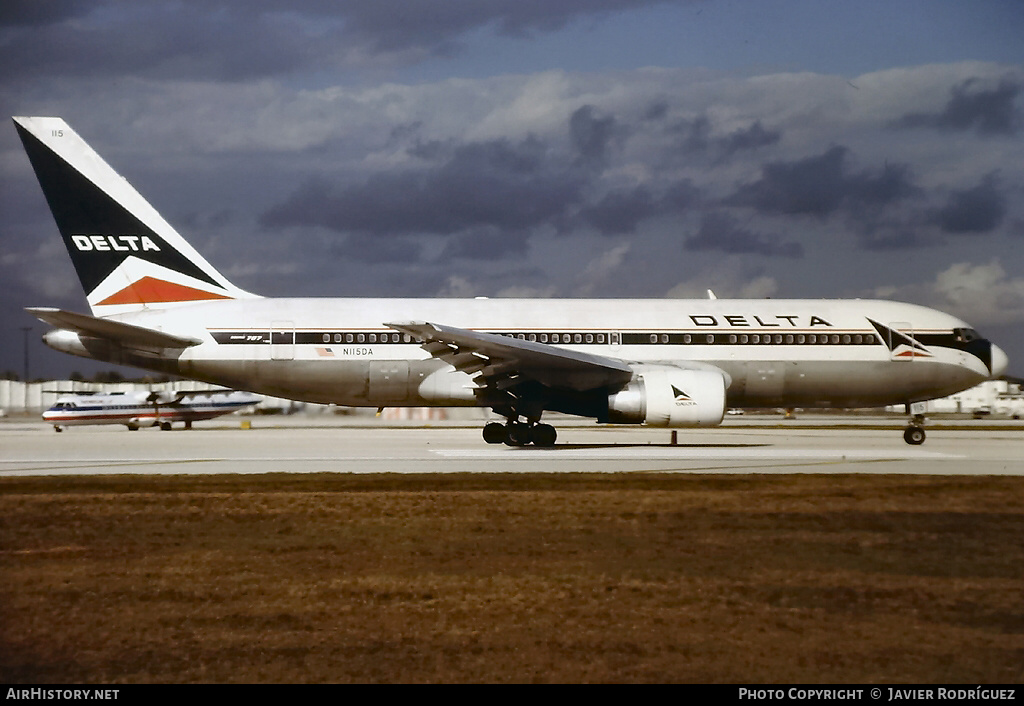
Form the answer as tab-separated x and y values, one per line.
127	256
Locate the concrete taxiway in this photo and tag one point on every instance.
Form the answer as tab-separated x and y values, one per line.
324	444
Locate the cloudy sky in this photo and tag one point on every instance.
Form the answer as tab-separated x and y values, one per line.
612	148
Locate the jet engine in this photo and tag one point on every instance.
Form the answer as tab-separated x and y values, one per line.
666	396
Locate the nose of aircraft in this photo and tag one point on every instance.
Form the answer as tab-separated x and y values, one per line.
999	361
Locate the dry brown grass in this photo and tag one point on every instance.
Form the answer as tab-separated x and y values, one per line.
512	578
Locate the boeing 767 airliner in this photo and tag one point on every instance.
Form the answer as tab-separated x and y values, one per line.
157	304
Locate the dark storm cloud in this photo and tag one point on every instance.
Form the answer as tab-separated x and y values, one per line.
620	211
592	134
822	185
980	209
751	138
375	251
400	24
698	136
21	13
656	111
162	40
485	244
721	232
507	185
694	135
990	111
888	237
238	39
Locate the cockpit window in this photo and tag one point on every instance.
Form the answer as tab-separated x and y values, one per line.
966	335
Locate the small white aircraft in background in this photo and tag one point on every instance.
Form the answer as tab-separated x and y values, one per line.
146	409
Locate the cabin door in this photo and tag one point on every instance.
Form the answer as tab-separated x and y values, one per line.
282	340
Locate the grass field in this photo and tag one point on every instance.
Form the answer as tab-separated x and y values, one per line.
512	578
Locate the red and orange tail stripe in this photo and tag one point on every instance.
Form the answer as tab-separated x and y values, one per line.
150	290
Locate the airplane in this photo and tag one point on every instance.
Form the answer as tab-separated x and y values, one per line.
139	409
157	304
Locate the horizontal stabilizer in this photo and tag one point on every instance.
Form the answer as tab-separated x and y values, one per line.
124	334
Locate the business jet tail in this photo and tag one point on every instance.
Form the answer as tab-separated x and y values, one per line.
127	256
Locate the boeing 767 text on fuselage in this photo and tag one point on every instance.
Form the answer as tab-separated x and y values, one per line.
157	304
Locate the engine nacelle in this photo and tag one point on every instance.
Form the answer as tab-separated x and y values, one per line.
664	396
66	342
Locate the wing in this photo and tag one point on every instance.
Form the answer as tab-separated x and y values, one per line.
186	397
504	362
183	395
125	334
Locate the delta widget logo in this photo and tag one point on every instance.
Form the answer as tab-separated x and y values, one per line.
682	399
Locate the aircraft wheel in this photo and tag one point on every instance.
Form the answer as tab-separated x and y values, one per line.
517	434
132	427
165	426
494	433
914	435
543	435
58	429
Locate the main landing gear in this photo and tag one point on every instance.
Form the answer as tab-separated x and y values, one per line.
914	433
516	433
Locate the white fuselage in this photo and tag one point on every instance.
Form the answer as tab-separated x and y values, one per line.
822	353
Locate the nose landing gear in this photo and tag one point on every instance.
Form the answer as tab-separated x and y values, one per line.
914	433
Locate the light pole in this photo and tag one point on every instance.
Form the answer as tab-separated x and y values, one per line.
26	330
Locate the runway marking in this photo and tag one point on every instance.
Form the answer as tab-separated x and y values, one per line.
693	454
532	453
